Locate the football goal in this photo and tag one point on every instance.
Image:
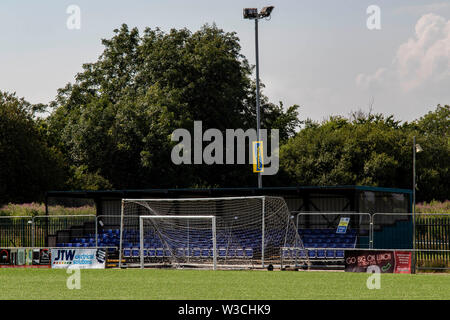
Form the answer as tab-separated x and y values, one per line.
213	233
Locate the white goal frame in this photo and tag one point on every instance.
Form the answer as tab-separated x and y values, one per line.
282	231
141	233
263	198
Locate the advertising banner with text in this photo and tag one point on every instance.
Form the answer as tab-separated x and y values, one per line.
79	257
387	261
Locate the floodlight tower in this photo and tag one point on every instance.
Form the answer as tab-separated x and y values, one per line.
252	14
416	149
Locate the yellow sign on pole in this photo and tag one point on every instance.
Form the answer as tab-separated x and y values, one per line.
258	161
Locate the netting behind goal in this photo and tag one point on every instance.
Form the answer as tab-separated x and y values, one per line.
250	231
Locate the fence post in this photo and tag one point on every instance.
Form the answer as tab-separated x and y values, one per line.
121	232
414	258
263	235
371	230
214	234
33	232
96	231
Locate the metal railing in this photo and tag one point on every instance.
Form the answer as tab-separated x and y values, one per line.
360	224
373	231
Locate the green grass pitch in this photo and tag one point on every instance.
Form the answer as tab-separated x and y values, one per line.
202	284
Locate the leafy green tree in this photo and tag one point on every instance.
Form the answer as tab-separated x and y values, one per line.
28	166
372	150
116	120
432	132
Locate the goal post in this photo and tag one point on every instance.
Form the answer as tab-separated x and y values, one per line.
238	232
167	219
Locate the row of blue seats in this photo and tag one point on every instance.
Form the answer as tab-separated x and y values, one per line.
329	236
202	233
289	253
324	231
75	245
190	253
330	240
331	245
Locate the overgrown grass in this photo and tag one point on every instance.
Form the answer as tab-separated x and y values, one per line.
196	284
38	209
433	207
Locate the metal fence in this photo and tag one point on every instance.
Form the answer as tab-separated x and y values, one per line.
430	243
372	231
433	241
392	231
324	225
16	231
46	231
53	230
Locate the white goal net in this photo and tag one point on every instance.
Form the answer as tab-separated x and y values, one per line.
209	232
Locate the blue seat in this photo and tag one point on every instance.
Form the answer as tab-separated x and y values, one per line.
320	254
159	252
196	252
205	253
180	252
340	254
329	253
248	252
151	252
302	253
127	253
167	253
135	253
222	252
311	253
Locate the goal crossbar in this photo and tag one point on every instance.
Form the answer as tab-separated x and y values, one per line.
196	199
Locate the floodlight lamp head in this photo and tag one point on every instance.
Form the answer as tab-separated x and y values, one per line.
250	13
418	148
266	11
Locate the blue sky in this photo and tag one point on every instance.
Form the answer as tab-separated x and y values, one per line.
318	54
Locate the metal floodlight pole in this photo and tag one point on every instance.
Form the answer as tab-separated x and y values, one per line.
258	117
253	14
414	206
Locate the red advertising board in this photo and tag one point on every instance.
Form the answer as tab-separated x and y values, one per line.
402	262
387	261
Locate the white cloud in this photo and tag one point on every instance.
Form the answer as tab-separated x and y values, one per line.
422	61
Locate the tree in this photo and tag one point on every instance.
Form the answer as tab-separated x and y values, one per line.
117	118
371	149
433	164
28	166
